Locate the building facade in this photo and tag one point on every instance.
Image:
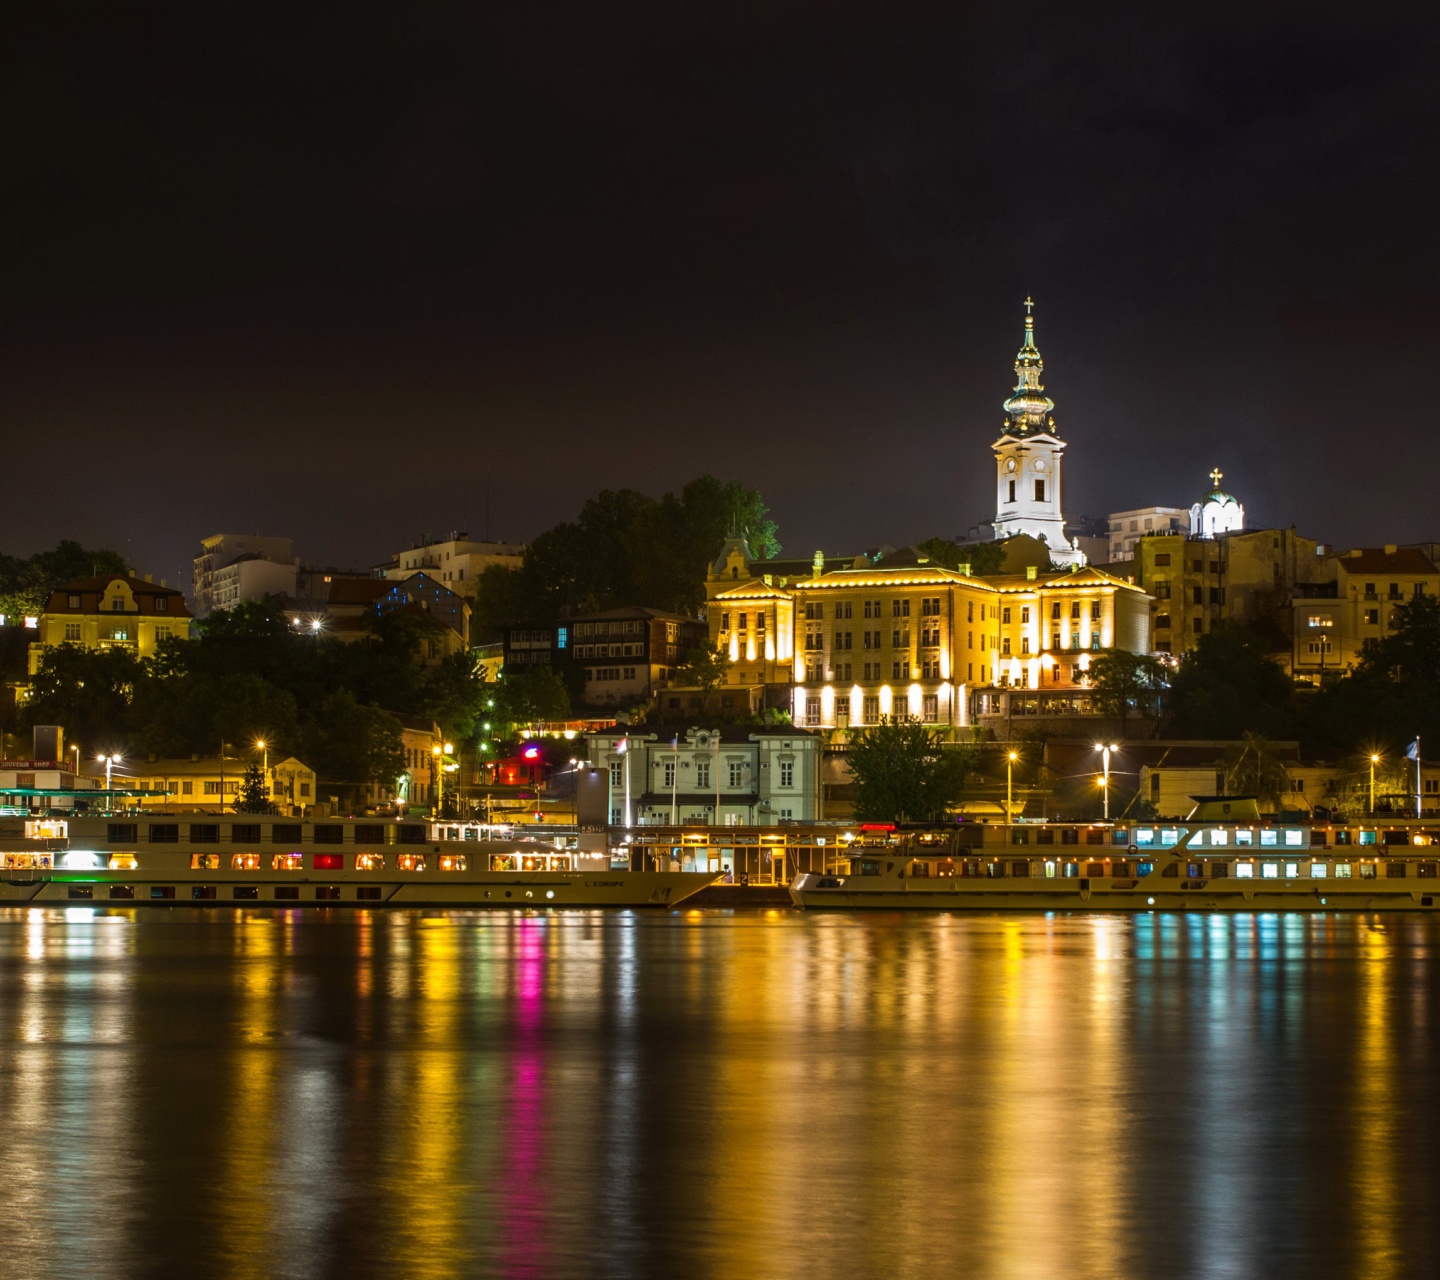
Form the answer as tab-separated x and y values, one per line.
457	562
113	611
213	785
627	655
1028	459
719	777
1128	527
1357	601
222	578
908	637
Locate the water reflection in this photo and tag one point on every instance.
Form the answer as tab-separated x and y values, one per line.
714	1095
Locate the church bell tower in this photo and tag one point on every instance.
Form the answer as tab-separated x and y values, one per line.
1028	459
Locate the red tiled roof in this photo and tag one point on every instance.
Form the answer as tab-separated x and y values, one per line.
90	590
1377	560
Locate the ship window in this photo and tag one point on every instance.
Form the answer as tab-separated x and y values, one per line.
1245	870
1270	870
502	862
1367	871
1071	870
1050	871
327	892
1144	835
1219	870
369	833
369	862
1342	837
245	862
1019	837
1395	871
245	833
330	834
1244	836
1170	870
453	862
1426	871
1095	869
285	833
994	870
287	892
1120	869
1268	838
328	861
1194	870
164	833
1021	870
1144	868
1319	870
1292	869
1294	837
288	862
1219	836
204	833
86	891
1342	871
368	893
532	864
202	892
204	862
410	862
245	892
122	862
1044	836
122	832
126	891
162	892
410	833
1068	835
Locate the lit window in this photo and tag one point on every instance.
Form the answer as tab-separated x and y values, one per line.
329	861
1342	871
1319	870
410	862
122	862
1292	870
453	862
1245	870
245	862
1270	870
369	862
288	862
205	862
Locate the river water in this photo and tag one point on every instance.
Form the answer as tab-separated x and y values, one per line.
717	1094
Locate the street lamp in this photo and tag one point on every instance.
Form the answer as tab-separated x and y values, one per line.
1374	760
1105	748
109	762
442	767
1009	780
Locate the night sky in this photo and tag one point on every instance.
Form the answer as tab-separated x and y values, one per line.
322	271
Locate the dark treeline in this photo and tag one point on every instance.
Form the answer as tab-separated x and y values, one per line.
625	548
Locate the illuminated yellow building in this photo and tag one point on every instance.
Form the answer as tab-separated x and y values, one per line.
114	611
907	637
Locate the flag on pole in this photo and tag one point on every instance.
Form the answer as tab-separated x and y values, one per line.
1412	752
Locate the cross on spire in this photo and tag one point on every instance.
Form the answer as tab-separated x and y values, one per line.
1217	475
1029	305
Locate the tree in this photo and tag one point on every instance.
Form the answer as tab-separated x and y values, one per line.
348	743
903	772
1228	683
704	669
89	692
252	798
25	585
982	557
1253	767
530	696
1123	680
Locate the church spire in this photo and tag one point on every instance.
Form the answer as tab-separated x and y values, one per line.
1028	410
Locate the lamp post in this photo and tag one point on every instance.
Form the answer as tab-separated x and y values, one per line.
441	755
1009	781
1374	760
264	764
1105	748
109	762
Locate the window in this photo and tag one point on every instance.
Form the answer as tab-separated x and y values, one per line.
1005	645
1162	560
872	710
72	631
204	833
369	862
330	834
1320	620
162	604
702	773
288	862
1162	622
844	639
844	670
1372	617
245	862
285	833
930	606
930	708
410	862
73	601
1039	491
205	862
843	609
328	861
369	833
454	862
870	639
812	712
787	773
1010	497
815	611
669	773
1005	614
737	773
164	832
900	608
